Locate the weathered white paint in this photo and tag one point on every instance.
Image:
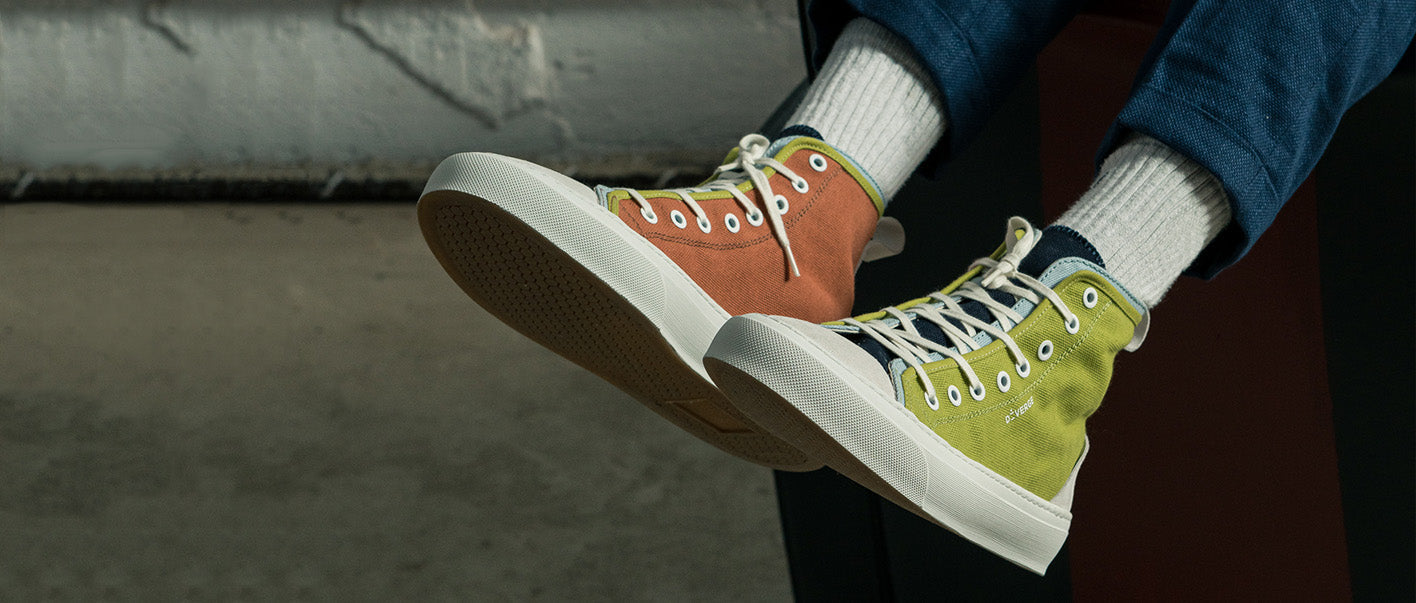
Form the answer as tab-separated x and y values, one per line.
142	85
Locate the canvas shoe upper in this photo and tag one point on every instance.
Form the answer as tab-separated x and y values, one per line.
967	406
779	228
634	284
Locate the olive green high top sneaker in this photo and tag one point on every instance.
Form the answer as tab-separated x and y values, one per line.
968	406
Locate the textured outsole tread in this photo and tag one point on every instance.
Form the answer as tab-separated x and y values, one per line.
529	283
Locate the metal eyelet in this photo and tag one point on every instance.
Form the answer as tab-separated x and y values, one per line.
1073	325
977	392
704	225
649	215
677	218
801	186
818	162
782	205
731	221
1004	381
1089	298
1044	350
755	218
932	401
1023	369
955	397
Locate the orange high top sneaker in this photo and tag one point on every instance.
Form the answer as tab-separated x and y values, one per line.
633	285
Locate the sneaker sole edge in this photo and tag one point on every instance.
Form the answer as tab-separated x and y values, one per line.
501	227
788	385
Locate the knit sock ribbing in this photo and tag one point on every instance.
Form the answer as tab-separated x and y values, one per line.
875	102
1149	213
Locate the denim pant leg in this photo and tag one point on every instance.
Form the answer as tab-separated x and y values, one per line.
1254	90
976	50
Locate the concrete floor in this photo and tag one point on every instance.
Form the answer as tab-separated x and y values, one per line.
285	401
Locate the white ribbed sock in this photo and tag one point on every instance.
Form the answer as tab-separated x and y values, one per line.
875	102
1149	213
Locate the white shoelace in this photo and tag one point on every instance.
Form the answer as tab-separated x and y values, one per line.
751	160
905	342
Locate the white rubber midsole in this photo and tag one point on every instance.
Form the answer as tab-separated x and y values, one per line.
569	215
950	488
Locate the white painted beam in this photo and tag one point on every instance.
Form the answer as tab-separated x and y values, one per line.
147	86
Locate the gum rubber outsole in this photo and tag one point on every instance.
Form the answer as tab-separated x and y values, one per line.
531	283
783	384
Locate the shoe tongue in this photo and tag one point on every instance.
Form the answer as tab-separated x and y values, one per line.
1055	243
799	130
785	136
1058	242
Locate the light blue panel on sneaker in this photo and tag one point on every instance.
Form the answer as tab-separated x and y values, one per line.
1065	267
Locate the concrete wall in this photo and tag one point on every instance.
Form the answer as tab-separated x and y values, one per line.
180	84
294	402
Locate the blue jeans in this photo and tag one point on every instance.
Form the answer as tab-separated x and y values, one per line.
1251	90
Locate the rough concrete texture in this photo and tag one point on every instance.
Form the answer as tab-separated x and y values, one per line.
294	402
156	85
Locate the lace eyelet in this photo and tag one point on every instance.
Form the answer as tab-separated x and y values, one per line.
677	218
1073	325
932	401
1023	369
1089	298
731	221
818	163
704	225
782	205
1004	381
755	218
955	397
649	215
1044	350
977	392
801	186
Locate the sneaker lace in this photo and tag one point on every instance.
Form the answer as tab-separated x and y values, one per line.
905	341
748	166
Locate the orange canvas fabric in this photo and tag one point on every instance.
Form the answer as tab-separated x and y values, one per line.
747	271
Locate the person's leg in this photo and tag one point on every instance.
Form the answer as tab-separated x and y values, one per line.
975	51
1149	213
968	406
895	79
1226	120
1249	93
875	102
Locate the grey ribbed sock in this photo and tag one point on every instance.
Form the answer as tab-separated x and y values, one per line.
875	102
1149	213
